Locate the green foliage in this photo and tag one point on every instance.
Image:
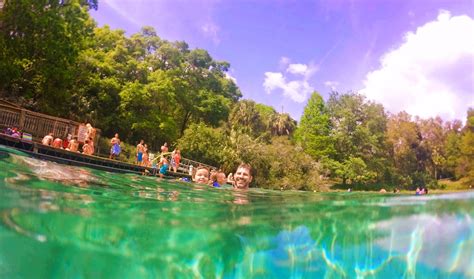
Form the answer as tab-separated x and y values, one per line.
354	170
204	144
54	59
41	41
276	165
260	121
314	131
358	129
291	168
245	118
465	166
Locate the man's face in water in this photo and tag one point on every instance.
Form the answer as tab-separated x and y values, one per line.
242	178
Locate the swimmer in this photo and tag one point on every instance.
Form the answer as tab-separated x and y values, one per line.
201	176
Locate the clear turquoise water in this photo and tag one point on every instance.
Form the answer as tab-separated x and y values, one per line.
58	221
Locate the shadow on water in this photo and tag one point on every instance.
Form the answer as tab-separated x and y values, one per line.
74	222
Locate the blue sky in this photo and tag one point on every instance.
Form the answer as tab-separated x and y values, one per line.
416	56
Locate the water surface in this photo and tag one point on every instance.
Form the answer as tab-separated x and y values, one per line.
58	221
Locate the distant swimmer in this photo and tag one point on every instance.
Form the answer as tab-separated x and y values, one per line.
243	176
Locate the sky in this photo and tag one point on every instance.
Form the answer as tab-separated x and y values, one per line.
413	56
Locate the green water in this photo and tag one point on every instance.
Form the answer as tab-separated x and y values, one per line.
58	221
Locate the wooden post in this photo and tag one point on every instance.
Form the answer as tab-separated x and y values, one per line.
21	123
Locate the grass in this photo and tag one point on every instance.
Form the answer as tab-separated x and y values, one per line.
451	185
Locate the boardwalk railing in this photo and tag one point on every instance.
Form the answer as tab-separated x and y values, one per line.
37	124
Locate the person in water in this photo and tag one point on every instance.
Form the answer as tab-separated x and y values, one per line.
230	178
218	179
418	191
243	177
201	176
115	147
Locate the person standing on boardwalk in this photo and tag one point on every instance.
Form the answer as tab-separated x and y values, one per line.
146	160
90	133
140	150
92	147
243	177
176	159
115	147
164	164
164	148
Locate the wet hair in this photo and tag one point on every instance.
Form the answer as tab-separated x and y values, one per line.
246	166
200	168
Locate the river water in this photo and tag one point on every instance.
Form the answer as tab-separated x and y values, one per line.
58	221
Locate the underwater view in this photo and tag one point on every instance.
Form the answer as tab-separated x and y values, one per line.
58	221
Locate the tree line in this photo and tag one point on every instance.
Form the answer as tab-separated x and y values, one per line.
56	60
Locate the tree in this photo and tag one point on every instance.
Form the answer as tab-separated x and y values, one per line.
403	140
245	118
314	130
283	125
358	132
204	144
433	138
465	166
41	41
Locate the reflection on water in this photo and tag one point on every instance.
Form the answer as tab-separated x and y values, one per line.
61	221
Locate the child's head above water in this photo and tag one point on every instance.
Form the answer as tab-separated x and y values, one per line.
202	175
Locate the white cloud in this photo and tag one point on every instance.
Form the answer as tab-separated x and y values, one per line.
431	73
211	30
331	84
297	69
301	69
297	90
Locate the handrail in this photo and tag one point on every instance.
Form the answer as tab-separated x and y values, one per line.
38	124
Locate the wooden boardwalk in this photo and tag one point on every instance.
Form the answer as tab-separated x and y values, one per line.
38	125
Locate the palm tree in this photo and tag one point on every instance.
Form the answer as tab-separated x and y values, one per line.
283	124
